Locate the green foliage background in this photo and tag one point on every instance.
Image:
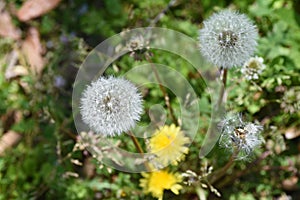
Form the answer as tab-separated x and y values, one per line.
42	165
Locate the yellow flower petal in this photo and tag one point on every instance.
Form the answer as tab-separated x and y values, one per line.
158	181
168	144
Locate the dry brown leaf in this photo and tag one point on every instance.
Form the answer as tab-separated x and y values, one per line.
290	183
9	118
7	28
292	133
17	70
32	50
35	8
11	60
8	140
13	70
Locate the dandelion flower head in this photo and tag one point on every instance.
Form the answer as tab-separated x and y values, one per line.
228	39
237	135
158	181
169	145
253	68
110	106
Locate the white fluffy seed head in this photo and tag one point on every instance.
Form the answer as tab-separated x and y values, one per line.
110	106
228	39
239	135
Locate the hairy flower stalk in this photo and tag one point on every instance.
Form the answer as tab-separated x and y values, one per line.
110	106
239	136
228	39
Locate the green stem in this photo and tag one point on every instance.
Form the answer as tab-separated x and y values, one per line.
221	172
212	132
162	13
139	149
222	91
165	94
136	143
236	175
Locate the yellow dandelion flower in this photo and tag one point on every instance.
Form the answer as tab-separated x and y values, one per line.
158	181
168	144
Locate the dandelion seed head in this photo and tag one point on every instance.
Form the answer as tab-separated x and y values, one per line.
110	106
228	39
240	136
253	128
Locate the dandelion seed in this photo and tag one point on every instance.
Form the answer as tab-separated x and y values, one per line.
253	68
158	181
228	39
110	106
240	136
168	144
